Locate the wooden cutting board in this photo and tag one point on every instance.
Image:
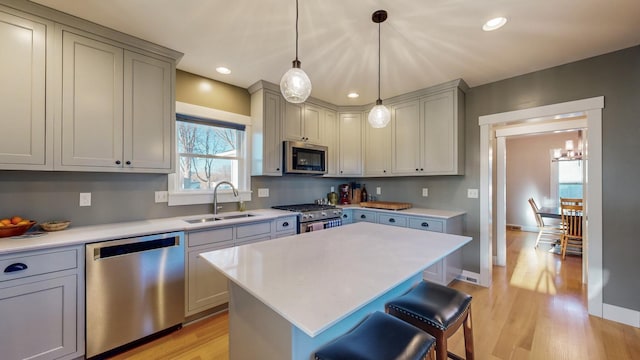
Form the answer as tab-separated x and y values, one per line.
388	205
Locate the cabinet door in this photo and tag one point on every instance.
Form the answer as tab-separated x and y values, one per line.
364	215
313	118
206	286
330	140
394	220
147	112
377	151
292	122
92	102
272	146
405	124
440	134
39	319
350	144
22	96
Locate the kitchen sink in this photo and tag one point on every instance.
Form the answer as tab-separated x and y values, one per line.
235	216
218	218
201	220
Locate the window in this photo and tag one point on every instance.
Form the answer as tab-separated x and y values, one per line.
208	152
567	180
210	148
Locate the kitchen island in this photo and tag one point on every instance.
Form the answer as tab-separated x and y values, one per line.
289	296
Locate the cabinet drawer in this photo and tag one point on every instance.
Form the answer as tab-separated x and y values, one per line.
196	238
36	264
394	220
363	215
244	231
286	224
426	224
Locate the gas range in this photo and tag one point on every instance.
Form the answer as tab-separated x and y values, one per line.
313	213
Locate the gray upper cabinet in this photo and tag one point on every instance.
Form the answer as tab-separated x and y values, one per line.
92	103
302	122
266	115
405	137
83	97
350	144
23	44
116	108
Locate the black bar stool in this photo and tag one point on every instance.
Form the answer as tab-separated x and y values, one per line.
379	336
438	310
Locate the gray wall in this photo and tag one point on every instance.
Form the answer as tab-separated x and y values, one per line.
121	197
616	76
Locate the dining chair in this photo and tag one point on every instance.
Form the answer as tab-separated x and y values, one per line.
546	233
571	219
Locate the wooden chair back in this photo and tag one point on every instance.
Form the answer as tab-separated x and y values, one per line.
571	217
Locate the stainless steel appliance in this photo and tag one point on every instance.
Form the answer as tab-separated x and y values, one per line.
135	288
303	158
313	217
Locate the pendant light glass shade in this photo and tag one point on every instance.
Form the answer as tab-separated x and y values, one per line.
379	116
295	85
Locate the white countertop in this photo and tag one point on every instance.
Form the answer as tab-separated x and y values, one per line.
434	213
87	234
315	279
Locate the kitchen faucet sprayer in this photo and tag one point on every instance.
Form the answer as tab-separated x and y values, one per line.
215	194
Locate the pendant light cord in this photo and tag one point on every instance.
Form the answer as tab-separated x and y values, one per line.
296	30
378	62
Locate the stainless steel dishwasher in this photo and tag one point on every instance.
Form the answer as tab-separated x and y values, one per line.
134	287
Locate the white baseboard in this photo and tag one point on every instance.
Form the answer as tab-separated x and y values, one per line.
470	277
621	315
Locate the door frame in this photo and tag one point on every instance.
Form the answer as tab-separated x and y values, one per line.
592	109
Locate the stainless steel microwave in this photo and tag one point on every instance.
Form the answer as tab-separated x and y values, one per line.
304	158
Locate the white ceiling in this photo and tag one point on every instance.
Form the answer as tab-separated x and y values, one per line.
424	42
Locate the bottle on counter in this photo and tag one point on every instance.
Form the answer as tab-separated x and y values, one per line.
363	194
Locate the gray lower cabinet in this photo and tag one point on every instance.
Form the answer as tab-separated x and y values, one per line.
445	270
42	304
205	286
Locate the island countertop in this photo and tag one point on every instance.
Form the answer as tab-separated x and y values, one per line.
315	279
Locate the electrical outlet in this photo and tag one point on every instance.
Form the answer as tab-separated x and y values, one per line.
162	196
263	192
425	192
85	199
333	189
378	190
472	193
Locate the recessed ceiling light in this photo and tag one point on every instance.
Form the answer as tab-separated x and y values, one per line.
353	95
223	70
494	24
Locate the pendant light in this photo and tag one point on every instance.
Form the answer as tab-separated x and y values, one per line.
295	84
379	116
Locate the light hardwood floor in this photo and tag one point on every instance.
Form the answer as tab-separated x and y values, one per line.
536	309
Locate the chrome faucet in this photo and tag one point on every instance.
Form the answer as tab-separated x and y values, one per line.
215	194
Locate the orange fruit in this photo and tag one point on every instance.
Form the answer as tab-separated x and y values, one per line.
16	219
6	221
23	222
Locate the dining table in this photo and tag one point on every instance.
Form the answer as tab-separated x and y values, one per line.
552	212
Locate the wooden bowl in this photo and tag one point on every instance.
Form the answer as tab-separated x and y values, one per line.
15	230
55	225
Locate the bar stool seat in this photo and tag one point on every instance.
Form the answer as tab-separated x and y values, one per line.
438	310
379	336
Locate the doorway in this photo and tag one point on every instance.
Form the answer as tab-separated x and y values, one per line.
492	204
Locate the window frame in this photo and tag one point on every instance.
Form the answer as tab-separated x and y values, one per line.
178	196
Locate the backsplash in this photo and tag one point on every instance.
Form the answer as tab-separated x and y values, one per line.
43	196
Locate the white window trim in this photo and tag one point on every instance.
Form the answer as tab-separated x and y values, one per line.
176	197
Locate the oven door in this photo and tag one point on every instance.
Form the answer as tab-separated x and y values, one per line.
320	224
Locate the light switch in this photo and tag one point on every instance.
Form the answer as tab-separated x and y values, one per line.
425	192
472	193
263	192
85	199
162	196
